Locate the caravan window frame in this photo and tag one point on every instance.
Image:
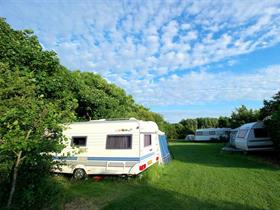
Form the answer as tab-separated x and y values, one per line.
212	133
76	145
244	133
118	135
150	142
199	133
258	133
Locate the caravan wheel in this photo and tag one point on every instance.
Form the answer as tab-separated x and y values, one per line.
79	173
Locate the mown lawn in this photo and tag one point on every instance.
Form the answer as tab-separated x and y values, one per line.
199	177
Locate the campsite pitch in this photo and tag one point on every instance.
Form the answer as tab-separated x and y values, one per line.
199	177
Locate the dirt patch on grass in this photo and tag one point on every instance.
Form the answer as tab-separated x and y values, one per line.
80	204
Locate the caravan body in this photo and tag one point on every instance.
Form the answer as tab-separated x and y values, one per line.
208	134
189	137
125	147
253	136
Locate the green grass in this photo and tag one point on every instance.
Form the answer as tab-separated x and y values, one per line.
199	177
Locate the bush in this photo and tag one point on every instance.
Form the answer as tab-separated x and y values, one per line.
271	115
34	193
273	126
152	174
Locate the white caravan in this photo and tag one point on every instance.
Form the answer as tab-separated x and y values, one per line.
253	136
189	137
116	147
208	134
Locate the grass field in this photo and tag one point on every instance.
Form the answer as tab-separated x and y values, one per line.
199	177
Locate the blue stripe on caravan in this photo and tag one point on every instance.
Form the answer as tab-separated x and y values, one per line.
65	158
147	156
108	158
121	158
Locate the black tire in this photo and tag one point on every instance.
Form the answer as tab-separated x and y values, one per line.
79	174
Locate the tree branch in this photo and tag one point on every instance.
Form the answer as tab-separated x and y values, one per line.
28	134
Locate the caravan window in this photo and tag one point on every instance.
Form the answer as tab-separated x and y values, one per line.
147	140
119	142
242	133
260	133
199	133
212	132
79	141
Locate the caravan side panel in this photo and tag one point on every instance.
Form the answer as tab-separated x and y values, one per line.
258	139
95	158
114	147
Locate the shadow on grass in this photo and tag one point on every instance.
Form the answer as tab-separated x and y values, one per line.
147	197
210	154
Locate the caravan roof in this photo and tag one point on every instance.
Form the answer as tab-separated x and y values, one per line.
258	124
144	126
214	129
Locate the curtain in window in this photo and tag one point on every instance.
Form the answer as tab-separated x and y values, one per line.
147	140
118	142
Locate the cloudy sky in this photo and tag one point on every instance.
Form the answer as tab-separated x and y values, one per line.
182	59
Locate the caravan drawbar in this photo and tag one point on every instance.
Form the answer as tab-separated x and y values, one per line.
113	147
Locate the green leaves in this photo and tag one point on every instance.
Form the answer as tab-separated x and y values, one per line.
243	115
31	102
271	113
38	95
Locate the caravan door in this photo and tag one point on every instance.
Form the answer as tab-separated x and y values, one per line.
147	148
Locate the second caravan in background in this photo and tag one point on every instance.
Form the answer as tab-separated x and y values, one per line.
212	134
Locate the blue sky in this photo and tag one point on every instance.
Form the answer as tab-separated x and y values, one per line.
183	59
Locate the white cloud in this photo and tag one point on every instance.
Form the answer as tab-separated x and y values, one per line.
125	34
156	41
205	86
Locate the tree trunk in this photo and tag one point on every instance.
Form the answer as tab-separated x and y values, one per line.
15	173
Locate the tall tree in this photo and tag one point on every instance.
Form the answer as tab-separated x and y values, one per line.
243	115
224	122
190	125
30	126
271	115
33	107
